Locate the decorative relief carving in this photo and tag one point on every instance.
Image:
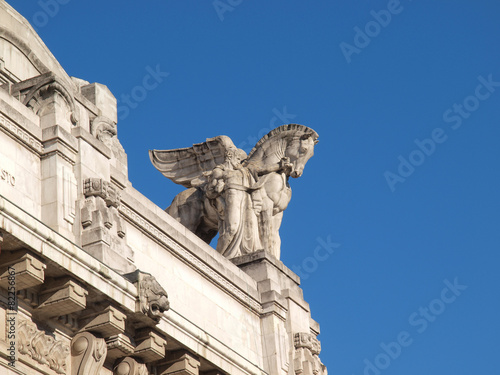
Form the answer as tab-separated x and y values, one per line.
238	195
87	354
103	129
99	187
37	92
42	348
21	134
152	299
190	258
104	228
129	366
306	360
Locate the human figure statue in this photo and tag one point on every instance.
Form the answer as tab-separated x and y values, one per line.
241	197
229	188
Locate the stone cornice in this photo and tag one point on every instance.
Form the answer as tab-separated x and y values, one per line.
208	266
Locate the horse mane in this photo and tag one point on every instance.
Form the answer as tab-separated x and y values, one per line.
282	129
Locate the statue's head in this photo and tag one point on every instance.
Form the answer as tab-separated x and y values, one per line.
235	156
300	150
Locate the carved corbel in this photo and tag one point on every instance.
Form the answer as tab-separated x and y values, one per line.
180	362
150	345
29	270
61	296
108	321
129	366
87	354
152	300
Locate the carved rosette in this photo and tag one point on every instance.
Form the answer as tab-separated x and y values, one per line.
43	348
87	354
306	359
153	299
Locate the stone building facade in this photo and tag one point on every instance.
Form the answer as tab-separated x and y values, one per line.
94	277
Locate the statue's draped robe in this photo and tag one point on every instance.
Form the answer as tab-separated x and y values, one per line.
245	239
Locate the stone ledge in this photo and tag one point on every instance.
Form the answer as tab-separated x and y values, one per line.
79	132
262	255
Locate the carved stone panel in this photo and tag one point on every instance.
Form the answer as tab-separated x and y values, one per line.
42	347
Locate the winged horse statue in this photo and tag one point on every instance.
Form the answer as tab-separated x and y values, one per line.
238	195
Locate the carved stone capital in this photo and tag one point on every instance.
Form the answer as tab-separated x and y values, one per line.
87	354
153	299
129	366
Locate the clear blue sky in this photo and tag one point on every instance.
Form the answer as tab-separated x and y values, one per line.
373	94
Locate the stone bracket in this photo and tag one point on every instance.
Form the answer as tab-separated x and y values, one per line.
180	362
119	346
29	270
108	322
151	346
61	296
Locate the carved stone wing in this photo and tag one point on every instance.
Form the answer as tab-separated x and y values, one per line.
188	166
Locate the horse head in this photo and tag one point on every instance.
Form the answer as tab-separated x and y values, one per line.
299	151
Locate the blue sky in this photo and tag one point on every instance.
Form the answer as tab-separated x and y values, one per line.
403	187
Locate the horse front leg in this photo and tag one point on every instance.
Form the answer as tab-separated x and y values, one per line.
266	223
275	234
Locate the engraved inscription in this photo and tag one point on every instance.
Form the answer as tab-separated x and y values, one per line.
7	177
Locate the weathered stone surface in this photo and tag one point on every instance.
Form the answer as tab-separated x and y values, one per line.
43	348
61	296
152	300
242	197
129	366
87	354
29	270
73	227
